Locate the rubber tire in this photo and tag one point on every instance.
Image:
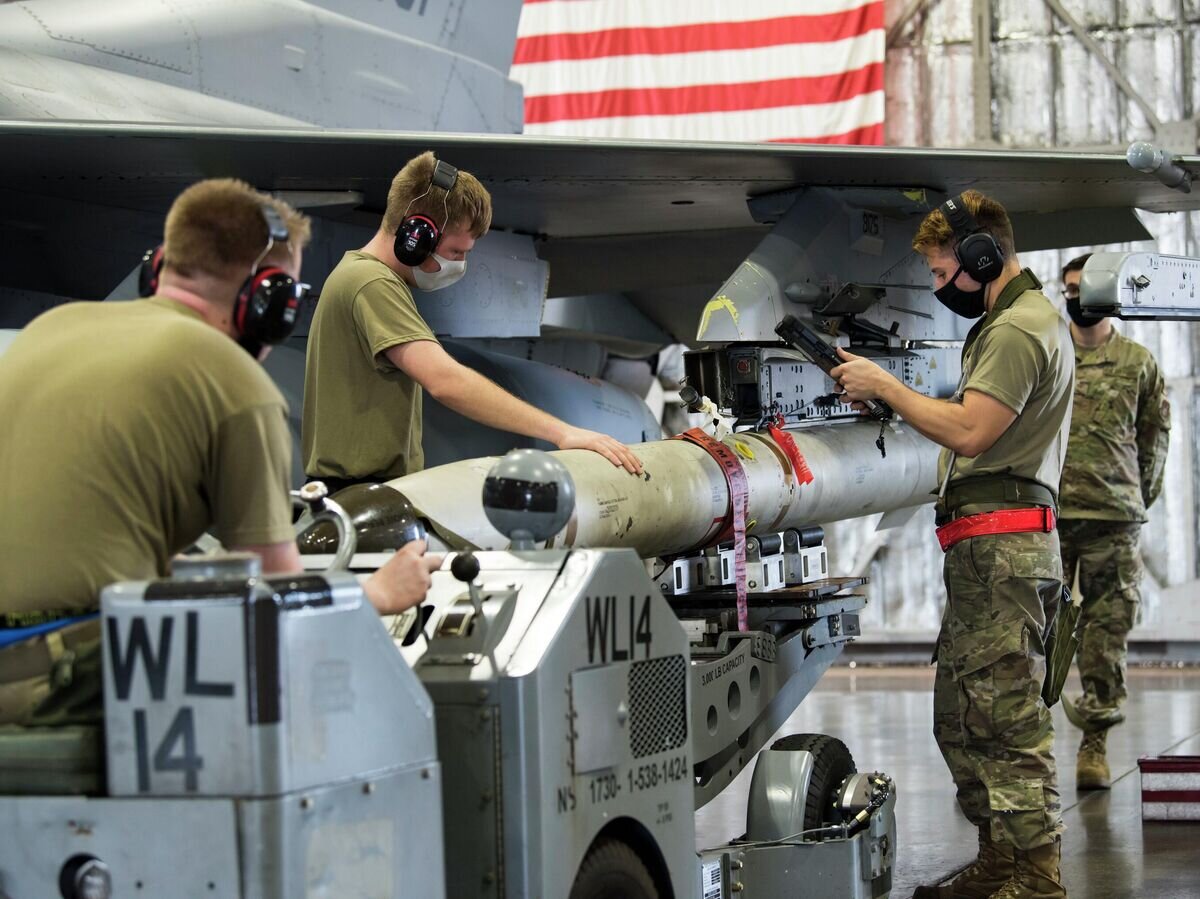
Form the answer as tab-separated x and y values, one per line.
612	870
832	763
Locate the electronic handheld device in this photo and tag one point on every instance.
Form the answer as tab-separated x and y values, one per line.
809	342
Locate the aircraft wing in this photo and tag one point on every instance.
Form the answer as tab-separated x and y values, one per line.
78	201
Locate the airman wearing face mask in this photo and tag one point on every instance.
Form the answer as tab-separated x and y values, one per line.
1116	459
371	356
449	272
1004	436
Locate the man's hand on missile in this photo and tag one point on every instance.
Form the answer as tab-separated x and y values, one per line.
860	379
613	450
403	580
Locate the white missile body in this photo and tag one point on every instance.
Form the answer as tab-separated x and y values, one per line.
681	499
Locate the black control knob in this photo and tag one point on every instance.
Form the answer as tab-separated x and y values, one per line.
465	567
691	397
85	877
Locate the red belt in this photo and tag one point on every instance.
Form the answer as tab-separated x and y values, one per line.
1039	519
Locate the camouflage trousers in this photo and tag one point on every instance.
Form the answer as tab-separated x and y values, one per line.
44	684
1110	572
989	719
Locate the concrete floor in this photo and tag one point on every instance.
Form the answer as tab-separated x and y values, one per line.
885	716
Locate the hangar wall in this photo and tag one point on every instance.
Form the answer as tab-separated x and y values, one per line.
1042	88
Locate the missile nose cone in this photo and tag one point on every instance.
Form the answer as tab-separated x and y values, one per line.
1155	161
1143	156
383	518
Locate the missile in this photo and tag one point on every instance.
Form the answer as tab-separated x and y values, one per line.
682	498
1152	160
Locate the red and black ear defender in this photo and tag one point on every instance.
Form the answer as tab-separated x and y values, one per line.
149	272
418	235
976	250
268	302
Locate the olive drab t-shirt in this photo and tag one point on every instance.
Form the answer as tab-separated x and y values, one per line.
362	415
130	428
1021	354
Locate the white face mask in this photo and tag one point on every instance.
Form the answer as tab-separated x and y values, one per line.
449	273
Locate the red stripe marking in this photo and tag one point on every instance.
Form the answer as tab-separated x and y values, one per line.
871	135
1171	796
1178	764
704	98
702	36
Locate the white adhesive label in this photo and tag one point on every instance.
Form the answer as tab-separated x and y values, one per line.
710	880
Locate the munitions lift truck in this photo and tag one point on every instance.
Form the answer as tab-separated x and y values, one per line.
548	727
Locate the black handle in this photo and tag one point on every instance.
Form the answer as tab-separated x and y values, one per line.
465	567
807	341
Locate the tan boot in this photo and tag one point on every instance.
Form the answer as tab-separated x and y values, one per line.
1091	767
1036	874
990	870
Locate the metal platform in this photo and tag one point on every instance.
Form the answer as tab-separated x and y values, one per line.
783	596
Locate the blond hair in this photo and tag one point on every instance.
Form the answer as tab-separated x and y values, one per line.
412	193
936	233
216	227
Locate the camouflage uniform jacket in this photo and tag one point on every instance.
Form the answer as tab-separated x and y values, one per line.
1117	452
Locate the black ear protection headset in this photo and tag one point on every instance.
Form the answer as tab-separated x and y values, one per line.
268	301
976	250
149	272
418	235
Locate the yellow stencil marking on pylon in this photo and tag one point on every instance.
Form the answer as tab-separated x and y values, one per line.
714	305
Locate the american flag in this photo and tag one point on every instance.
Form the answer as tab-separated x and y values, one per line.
801	71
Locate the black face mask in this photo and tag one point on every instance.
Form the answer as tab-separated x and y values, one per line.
967	303
1081	319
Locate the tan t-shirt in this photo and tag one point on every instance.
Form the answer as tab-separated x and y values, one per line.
362	415
129	429
1023	356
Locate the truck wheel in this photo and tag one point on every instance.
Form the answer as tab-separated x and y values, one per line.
832	763
612	870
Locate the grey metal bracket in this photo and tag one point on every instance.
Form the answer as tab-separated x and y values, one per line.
746	686
825	241
1149	286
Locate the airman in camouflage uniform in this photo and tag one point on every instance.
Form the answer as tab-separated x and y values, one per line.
1004	435
1113	473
